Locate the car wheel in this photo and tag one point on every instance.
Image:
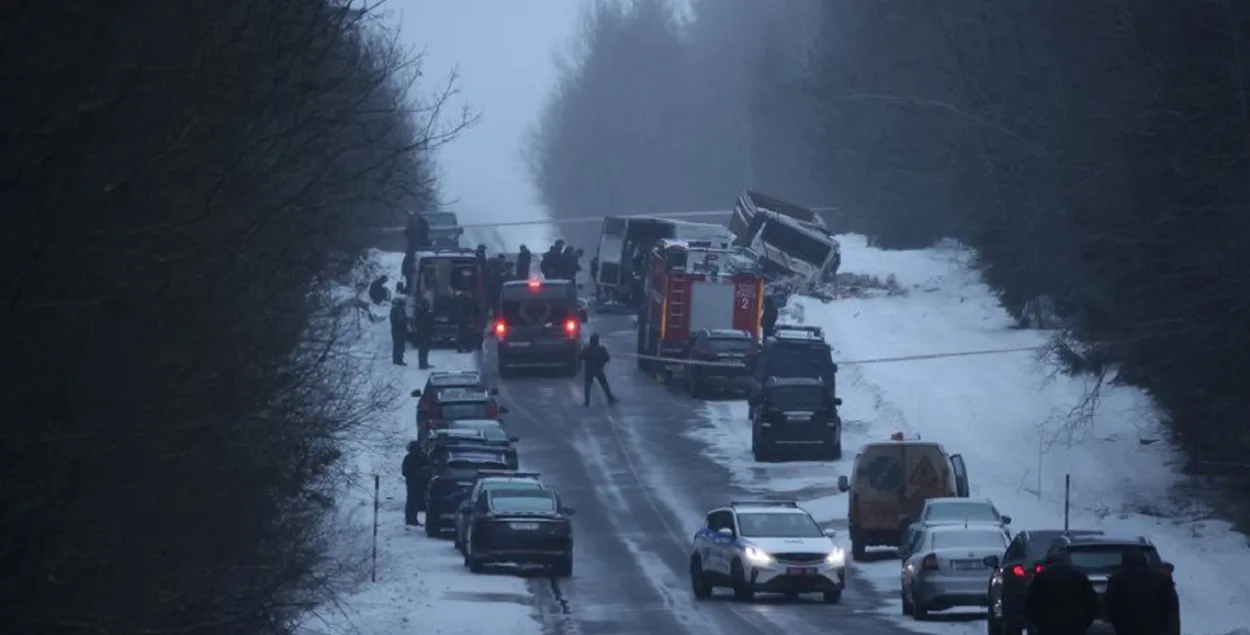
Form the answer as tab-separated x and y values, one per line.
906	603
698	580
991	625
743	592
833	597
431	525
563	568
918	610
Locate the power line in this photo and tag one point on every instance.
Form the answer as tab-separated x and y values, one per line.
854	362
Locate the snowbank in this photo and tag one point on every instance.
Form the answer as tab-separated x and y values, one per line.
1020	426
422	585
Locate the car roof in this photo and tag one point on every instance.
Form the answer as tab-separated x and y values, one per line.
448	378
475	423
1102	539
944	528
728	334
767	509
956	499
782	382
531	480
456	433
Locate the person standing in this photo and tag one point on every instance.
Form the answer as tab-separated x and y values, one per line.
425	332
594	359
412	465
768	321
399	331
416	233
464	314
1061	599
594	277
1141	600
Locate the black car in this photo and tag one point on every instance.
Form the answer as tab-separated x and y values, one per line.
727	353
1099	556
1013	573
538	324
492	480
439	382
794	351
520	527
452	478
795	416
486	432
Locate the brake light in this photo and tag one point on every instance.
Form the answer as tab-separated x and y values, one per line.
1019	571
500	328
534	284
929	563
570	327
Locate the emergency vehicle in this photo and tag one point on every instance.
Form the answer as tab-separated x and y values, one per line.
442	274
691	286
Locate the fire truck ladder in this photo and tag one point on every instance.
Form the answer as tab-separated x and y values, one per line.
676	303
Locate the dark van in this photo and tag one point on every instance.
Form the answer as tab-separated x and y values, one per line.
538	324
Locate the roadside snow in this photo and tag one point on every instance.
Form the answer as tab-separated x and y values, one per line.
1010	415
422	585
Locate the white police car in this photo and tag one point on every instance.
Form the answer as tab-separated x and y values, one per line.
766	547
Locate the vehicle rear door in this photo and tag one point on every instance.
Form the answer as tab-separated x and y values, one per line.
960	472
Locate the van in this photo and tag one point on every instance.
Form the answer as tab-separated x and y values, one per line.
889	484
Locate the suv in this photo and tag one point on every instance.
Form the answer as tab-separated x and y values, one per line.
427	397
453	475
794	414
445	229
766	546
1014	571
538	324
520	526
794	351
491	480
729	353
1099	556
455	404
443	276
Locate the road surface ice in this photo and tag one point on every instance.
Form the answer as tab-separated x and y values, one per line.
422	585
1020	426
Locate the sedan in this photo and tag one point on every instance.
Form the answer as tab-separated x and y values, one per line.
944	566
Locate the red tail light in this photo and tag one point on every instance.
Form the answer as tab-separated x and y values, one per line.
929	563
492	410
570	327
1019	571
501	328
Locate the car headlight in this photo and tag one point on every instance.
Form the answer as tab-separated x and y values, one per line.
837	558
757	555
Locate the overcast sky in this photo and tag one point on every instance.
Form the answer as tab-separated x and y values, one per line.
504	51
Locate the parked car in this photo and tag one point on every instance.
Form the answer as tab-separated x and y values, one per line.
945	566
1013	573
958	511
491	480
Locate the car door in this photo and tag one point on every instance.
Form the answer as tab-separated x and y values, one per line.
912	554
480	506
961	475
721	544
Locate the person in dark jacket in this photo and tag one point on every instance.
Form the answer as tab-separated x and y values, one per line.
594	359
378	290
417	233
570	264
464	313
1061	599
412	464
497	275
1141	600
768	321
399	332
523	261
425	332
408	269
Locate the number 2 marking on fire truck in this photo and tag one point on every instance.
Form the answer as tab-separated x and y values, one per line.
745	295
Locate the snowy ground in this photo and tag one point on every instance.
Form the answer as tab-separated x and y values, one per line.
422	585
1010	416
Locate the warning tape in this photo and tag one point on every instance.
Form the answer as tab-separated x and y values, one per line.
594	219
850	362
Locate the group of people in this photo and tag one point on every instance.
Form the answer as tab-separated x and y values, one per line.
1139	599
561	262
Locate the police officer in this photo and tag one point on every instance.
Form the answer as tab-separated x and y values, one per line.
411	466
1141	600
399	331
1061	599
425	332
594	358
569	263
523	261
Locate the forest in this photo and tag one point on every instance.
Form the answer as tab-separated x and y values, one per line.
1094	153
186	184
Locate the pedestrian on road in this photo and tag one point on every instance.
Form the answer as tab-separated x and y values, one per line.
1141	600
399	331
523	261
1061	599
412	464
594	359
425	332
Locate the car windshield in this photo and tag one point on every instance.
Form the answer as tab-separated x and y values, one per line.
521	501
962	511
800	360
797	397
731	345
1106	556
772	525
970	539
512	488
463	410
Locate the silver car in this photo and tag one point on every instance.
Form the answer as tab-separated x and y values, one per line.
957	511
944	567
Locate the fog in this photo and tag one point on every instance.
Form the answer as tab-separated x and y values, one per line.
503	51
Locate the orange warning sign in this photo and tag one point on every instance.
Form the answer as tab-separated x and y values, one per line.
925	473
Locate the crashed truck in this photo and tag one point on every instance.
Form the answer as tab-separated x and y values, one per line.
624	248
790	241
692	285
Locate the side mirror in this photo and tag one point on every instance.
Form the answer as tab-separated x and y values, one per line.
568	511
416	393
832	533
837	401
844	484
503	410
493	391
513	439
990	561
1006	520
726	532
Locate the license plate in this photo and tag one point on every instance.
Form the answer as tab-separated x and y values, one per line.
968	565
518	344
800	571
447	516
524	526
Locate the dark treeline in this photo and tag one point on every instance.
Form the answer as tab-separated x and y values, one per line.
180	182
1093	152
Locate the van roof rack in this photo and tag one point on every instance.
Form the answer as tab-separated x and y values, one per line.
793	504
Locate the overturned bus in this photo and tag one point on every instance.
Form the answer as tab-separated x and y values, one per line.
790	240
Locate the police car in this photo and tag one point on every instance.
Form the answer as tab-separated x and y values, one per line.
766	547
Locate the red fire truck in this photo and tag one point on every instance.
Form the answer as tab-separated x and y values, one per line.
691	286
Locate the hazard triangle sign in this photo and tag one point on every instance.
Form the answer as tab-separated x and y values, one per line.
925	473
